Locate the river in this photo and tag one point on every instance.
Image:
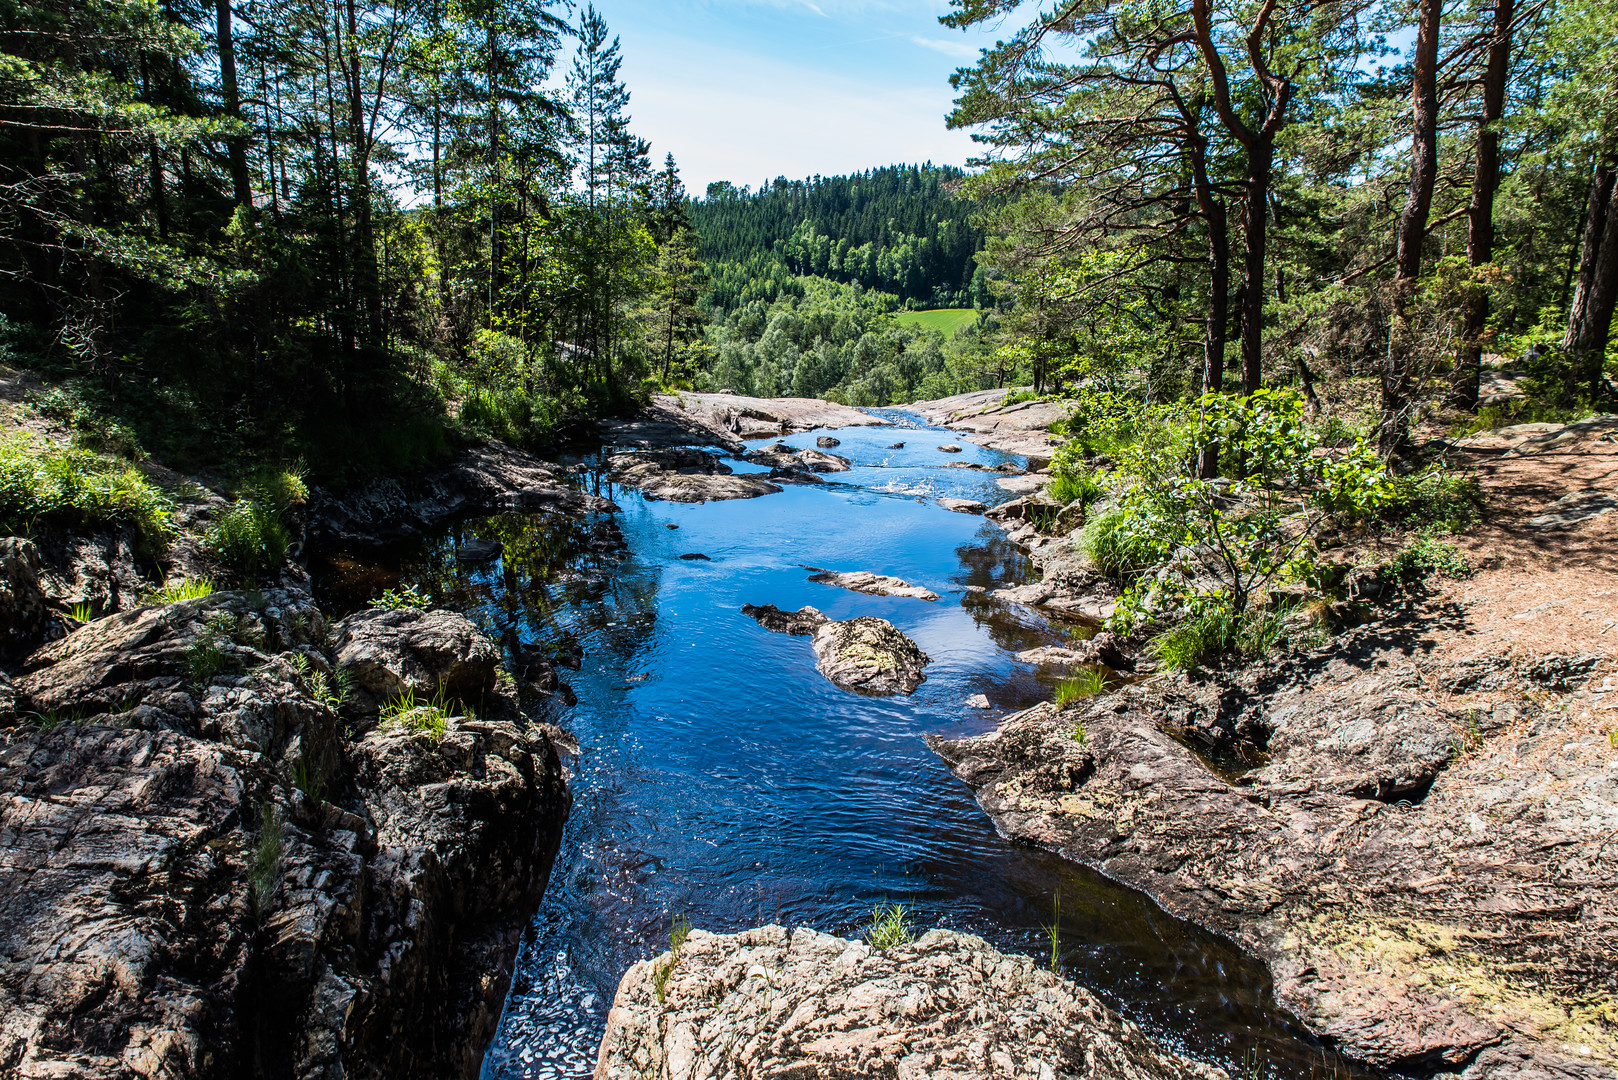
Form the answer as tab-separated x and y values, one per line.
723	779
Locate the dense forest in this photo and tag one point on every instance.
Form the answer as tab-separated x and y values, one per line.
897	229
343	233
1207	198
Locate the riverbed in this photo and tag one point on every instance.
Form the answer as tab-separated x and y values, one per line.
721	779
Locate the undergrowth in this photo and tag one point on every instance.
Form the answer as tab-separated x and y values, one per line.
77	488
1086	683
1217	631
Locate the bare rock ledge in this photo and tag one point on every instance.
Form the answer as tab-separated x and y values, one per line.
774	1002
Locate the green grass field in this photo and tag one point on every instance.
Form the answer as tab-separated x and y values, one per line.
945	320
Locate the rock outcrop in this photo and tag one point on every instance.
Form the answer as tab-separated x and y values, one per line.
205	875
1425	865
782	456
863	581
481	480
1019	428
866	655
948	1006
685	474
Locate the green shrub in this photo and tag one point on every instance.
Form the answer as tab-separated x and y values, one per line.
205	658
1426	556
250	538
890	926
1087	683
75	487
1434	498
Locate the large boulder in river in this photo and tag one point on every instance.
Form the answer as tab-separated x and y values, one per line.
865	654
389	651
205	877
685	474
948	1006
783	457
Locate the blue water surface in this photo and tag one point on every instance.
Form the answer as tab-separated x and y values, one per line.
722	778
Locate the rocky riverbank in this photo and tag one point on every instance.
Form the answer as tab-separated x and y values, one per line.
219	865
774	1002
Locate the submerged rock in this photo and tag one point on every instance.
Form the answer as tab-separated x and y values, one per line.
774	1002
683	474
695	556
865	654
826	442
950	448
864	581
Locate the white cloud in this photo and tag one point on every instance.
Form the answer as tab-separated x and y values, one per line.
948	48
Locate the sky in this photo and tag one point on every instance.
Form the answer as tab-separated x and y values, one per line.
748	90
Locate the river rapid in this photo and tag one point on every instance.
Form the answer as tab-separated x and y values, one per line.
721	778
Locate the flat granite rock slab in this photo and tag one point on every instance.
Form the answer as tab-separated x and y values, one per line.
1572	509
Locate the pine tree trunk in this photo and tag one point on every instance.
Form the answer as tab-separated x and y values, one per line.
1260	159
1396	371
227	79
1590	316
1480	212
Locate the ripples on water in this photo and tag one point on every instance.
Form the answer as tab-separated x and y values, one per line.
722	778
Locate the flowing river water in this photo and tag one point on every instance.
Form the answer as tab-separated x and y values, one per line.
722	778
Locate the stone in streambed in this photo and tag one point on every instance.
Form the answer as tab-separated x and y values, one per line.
683	474
695	556
478	551
826	442
896	446
949	1006
963	506
950	448
783	458
866	655
864	581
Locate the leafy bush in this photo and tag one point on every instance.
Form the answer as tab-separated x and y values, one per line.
1426	556
74	487
1434	498
890	926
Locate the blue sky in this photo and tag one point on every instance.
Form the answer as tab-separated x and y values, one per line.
747	90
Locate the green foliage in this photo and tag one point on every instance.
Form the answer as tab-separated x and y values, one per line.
77	488
1425	556
188	589
1214	630
83	611
205	659
1087	683
1072	481
678	932
890	926
1054	930
250	537
1433	498
422	716
407	597
1121	541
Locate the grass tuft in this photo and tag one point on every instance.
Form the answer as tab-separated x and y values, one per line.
76	487
1087	683
890	926
189	589
264	864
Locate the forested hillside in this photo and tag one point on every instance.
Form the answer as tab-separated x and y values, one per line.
895	229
